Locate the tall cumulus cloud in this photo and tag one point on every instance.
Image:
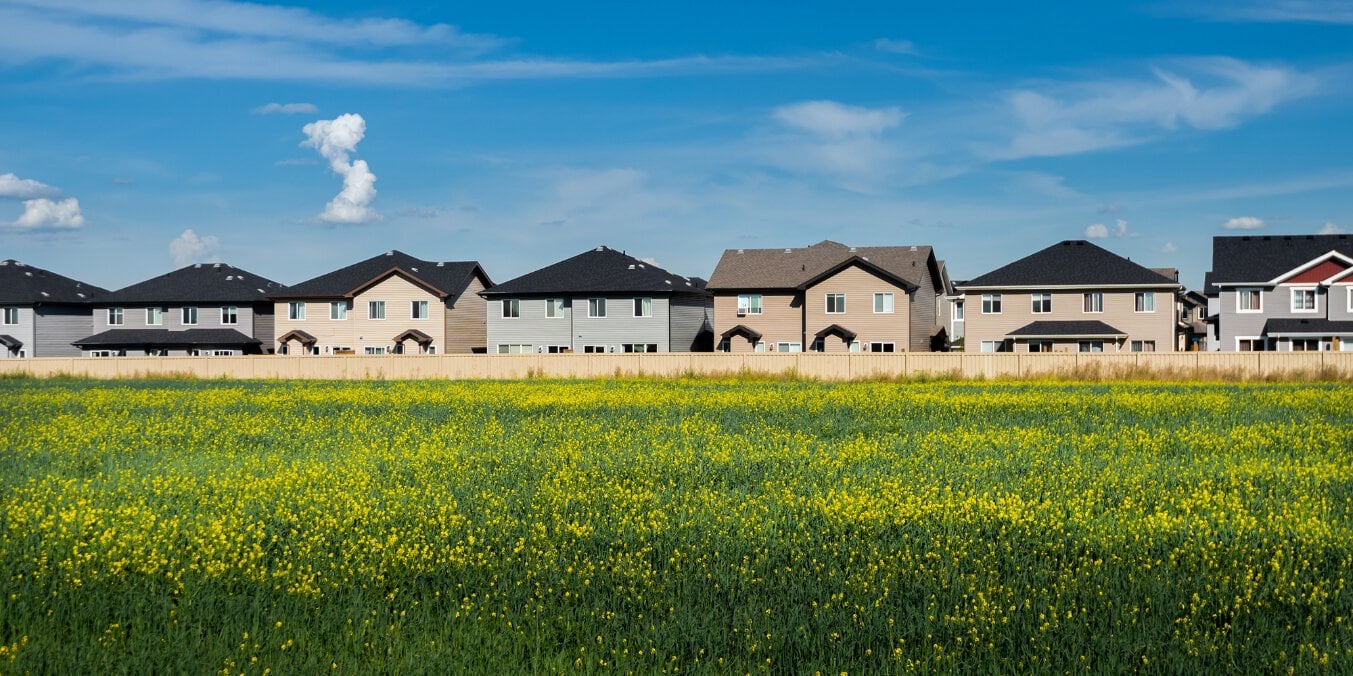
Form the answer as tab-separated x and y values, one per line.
335	140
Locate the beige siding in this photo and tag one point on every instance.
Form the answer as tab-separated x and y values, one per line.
1119	312
359	332
467	322
924	312
781	319
859	286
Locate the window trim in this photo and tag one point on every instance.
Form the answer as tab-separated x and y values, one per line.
511	309
419	310
234	315
187	310
371	306
840	304
789	347
115	312
553	311
643	306
991	303
339	308
1140	346
1315	299
1090	300
1139	306
157	319
885	346
889	307
1259	339
1258	294
1038	297
296	310
1088	346
10	312
596	308
745	305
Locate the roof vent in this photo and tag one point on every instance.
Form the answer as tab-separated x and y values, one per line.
230	278
601	248
631	267
217	266
852	249
441	264
79	294
913	248
260	290
19	263
413	268
45	294
641	265
789	250
4	263
390	252
688	283
197	265
668	281
27	274
740	250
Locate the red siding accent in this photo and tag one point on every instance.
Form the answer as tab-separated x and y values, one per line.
1318	273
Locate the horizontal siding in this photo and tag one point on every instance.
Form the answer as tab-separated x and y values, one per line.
859	286
1276	304
466	321
23	332
208	317
57	327
359	332
620	326
691	315
781	319
1119	312
532	327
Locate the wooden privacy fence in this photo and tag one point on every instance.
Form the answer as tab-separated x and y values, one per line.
1239	366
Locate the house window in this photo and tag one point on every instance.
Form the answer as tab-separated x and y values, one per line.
375	309
749	304
882	347
789	347
222	353
1040	346
230	314
511	308
115	316
431	349
558	349
1305	344
418	309
596	307
1303	300
1350	298
1143	346
641	347
855	346
1249	300
374	350
189	315
836	303
760	346
958	310
1092	302
991	303
296	309
883	303
991	346
514	348
1250	345
554	307
1042	303
594	349
643	307
1146	301
338	309
1091	345
11	316
154	316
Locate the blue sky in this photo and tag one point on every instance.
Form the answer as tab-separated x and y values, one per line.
291	139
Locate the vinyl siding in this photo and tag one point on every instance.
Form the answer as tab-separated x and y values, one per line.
22	332
620	326
1119	312
532	327
690	315
859	286
208	317
264	322
359	332
925	311
56	327
1276	304
781	318
466	321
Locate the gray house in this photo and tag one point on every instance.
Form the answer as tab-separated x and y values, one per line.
599	301
207	309
1288	293
41	312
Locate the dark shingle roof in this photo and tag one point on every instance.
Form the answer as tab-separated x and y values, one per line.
1314	326
1071	263
1071	329
166	338
445	278
27	285
795	268
600	270
1259	259
198	283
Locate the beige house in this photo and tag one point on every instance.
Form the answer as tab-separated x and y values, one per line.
389	304
828	297
1070	297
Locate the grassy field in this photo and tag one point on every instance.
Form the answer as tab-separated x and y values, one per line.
190	526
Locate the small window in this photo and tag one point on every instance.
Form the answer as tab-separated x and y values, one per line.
296	309
554	307
883	303
991	346
514	348
958	310
749	304
338	310
1249	300
374	350
154	316
1040	346
375	309
836	303
1305	344
1091	345
1146	301
558	349
1303	300
11	315
1250	345
991	304
643	307
789	347
882	347
1143	346
1042	303
511	308
641	347
418	309
115	316
596	307
431	349
222	353
594	349
1092	302
230	314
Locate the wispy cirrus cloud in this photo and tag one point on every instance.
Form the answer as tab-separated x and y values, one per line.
287	109
1276	11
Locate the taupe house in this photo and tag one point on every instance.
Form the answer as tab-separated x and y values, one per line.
392	303
207	309
1071	297
41	312
829	297
601	300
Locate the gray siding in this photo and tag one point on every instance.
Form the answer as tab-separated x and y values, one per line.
22	332
263	326
531	328
620	326
923	320
689	316
1277	304
58	327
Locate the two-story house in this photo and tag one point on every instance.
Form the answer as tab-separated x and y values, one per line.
1071	297
206	309
829	297
392	303
41	312
601	300
1288	293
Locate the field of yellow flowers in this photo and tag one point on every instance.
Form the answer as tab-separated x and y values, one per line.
702	525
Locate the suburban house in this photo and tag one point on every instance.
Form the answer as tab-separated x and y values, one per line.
392	303
206	309
601	300
829	297
1071	297
1193	326
1287	293
41	312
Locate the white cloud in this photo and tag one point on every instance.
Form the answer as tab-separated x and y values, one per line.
1331	228
1169	248
895	46
189	248
46	214
287	109
836	120
1101	231
334	140
1303	11
13	187
1243	223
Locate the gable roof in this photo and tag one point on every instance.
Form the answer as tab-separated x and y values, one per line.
198	283
27	285
798	268
599	270
1071	263
1256	260
444	279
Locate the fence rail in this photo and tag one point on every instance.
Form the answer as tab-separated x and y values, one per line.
1241	366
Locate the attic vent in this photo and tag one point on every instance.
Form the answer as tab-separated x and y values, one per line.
197	265
668	281
441	264
19	263
852	249
217	266
230	278
390	253
28	274
413	268
740	250
913	248
601	248
631	267
45	294
789	250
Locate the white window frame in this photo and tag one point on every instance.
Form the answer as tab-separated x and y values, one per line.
1088	346
1141	345
230	315
594	349
557	349
511	308
115	317
957	310
643	306
990	346
1037	298
1292	344
554	308
840	303
1092	302
338	310
789	347
749	304
991	303
296	310
1260	339
1142	299
418	309
515	348
1349	292
883	346
596	308
189	315
222	353
883	303
1303	291
11	316
154	316
375	350
372	306
1040	344
1258	296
